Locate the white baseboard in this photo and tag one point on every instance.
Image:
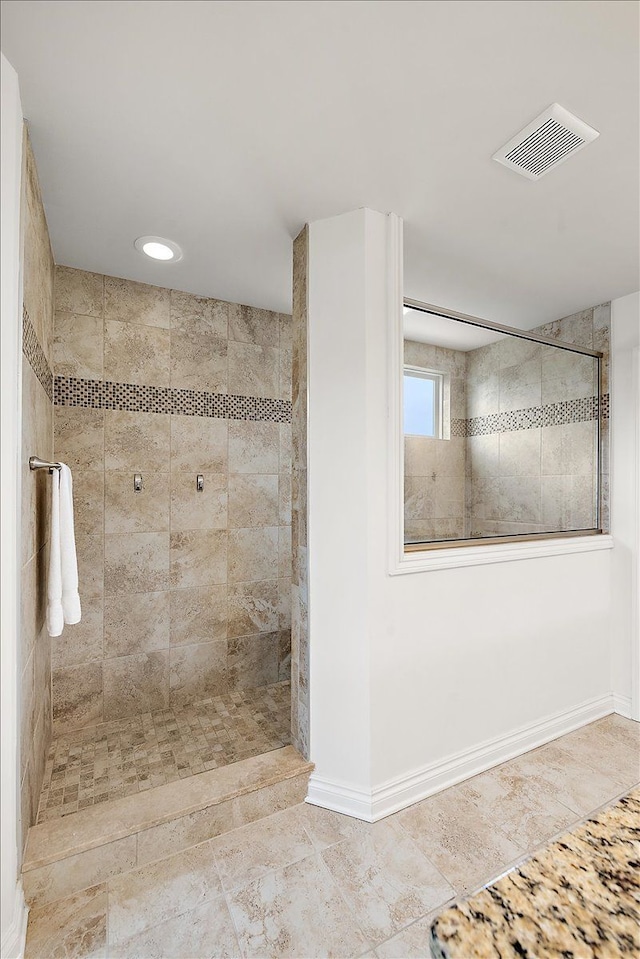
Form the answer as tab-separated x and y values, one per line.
403	791
622	705
14	937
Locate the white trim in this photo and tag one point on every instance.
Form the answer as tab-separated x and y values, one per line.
634	705
417	562
403	791
622	706
14	939
395	349
339	797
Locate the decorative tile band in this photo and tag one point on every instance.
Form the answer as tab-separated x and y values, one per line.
35	355
553	414
95	394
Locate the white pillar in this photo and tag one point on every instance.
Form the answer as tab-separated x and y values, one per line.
12	907
350	259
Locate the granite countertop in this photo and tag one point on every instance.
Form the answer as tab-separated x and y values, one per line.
579	897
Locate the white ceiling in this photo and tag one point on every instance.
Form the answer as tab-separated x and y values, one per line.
226	125
439	331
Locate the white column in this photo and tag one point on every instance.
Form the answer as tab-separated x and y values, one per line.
347	304
12	908
625	503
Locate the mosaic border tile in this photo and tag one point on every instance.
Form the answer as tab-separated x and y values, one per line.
35	355
580	410
133	398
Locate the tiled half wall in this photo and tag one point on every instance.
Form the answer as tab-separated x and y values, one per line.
184	593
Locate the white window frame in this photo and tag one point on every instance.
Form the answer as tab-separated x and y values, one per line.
438	418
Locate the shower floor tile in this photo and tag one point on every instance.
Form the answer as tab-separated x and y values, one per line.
128	756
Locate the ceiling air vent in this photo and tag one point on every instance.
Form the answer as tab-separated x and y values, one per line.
546	142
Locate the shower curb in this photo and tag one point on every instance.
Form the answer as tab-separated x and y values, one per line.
88	847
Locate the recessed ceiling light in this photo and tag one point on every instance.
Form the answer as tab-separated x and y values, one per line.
158	248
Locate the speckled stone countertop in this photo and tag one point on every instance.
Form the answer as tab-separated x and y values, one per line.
579	897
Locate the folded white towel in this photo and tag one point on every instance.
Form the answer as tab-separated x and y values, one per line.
64	601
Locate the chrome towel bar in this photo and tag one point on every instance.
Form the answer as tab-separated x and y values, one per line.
35	463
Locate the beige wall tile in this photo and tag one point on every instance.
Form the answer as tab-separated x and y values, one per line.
136	562
198	361
198	615
199	314
193	509
253	660
136	684
253	370
253	608
77	696
518	500
248	324
132	302
284	551
136	354
252	554
284	499
285	448
286	330
197	671
253	447
82	642
128	511
79	437
253	500
78	346
67	876
198	558
135	623
569	449
285	374
520	452
520	386
284	603
136	441
77	291
199	444
88	502
567	376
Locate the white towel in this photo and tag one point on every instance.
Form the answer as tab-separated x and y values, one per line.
64	601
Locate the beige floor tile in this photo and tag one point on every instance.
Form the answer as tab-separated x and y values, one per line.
295	911
606	748
410	943
252	850
526	810
206	931
465	845
572	782
325	827
386	880
151	894
74	928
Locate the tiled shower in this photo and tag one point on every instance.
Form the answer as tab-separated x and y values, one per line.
174	413
524	425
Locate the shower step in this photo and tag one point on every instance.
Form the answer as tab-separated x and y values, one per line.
73	852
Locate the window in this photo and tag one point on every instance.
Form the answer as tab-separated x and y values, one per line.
422	402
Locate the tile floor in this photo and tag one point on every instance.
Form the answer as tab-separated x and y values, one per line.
306	882
128	756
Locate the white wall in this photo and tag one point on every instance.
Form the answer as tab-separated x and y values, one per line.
625	502
418	680
12	909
